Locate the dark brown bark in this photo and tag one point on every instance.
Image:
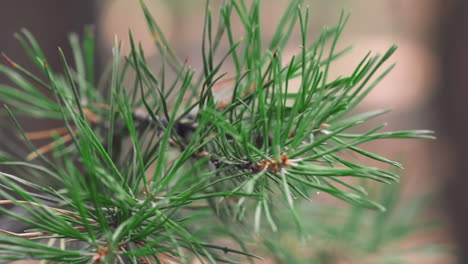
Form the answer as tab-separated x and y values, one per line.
453	121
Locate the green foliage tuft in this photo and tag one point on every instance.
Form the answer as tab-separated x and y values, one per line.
141	171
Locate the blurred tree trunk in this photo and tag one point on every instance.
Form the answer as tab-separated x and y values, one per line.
453	121
50	22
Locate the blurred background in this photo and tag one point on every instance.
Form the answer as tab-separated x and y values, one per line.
426	91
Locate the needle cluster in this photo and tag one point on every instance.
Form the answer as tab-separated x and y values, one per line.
155	167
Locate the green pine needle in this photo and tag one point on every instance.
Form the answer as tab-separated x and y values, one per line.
141	173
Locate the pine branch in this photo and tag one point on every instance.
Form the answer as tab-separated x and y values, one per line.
143	172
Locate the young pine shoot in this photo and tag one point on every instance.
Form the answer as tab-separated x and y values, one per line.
159	166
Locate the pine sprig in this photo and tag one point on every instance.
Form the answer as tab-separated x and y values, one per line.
138	168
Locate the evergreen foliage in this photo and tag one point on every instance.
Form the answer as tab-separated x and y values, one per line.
165	171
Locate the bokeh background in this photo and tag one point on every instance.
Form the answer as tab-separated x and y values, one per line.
426	90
